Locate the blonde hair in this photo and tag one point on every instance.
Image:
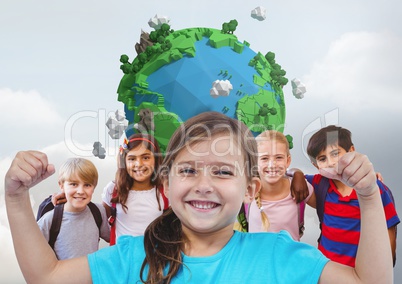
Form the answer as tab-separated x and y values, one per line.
273	135
269	135
264	218
81	168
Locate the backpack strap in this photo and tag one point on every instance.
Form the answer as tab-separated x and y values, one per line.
321	190
56	224
246	209
44	207
58	217
164	197
96	214
112	219
242	217
321	193
300	215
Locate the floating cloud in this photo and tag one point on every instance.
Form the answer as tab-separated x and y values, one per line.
117	124
259	13
220	88
156	22
298	88
28	107
98	150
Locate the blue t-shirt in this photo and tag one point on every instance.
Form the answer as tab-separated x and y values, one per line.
247	257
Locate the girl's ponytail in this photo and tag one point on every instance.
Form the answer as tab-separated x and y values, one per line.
162	242
264	217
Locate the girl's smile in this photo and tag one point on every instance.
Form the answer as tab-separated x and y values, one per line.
203	205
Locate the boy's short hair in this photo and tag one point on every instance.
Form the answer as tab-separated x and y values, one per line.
79	167
329	135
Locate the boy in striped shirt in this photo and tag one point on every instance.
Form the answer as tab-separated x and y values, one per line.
340	216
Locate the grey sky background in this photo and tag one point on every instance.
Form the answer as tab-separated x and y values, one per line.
59	72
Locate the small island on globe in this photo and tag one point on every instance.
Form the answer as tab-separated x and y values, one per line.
179	74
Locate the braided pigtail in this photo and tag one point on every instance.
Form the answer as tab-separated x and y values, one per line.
264	217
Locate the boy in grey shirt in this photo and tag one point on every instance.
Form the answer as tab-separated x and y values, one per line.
79	234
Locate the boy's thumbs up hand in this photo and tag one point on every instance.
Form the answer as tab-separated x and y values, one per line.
27	169
356	171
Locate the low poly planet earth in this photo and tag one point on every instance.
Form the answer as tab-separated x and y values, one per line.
171	82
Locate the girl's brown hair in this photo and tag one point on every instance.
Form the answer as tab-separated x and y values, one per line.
163	239
124	181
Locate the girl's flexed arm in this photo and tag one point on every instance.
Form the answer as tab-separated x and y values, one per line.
37	260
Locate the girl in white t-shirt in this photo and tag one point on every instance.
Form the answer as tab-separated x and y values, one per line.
274	208
135	198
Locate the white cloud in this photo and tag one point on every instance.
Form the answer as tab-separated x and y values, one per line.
9	270
57	154
27	109
360	71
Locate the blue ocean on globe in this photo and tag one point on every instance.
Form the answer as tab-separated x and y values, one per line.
185	84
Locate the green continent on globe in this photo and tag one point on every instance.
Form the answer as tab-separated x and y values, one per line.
173	75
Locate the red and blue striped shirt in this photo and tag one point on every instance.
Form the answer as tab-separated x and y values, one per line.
340	228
